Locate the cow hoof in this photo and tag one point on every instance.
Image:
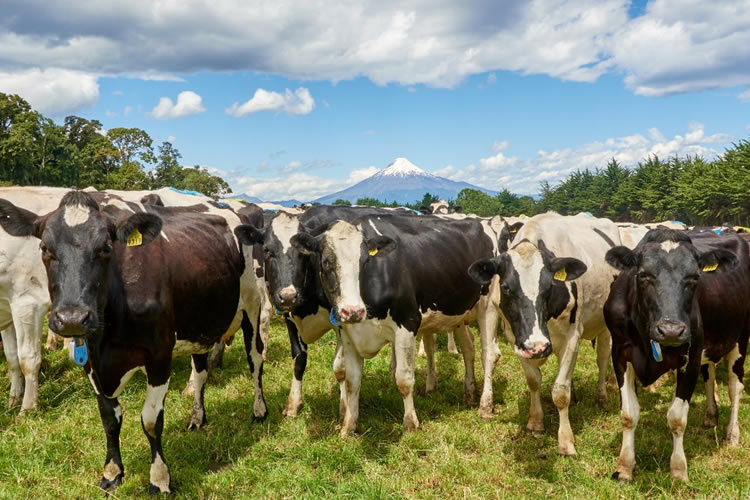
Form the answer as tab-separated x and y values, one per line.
411	424
109	485
485	413
196	425
733	441
680	474
259	419
155	490
566	450
601	402
14	401
471	397
291	410
622	477
430	389
189	390
710	421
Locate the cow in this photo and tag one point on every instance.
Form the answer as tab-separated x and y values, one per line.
135	289
554	282
679	303
386	279
24	299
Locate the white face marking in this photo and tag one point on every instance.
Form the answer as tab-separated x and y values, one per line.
164	235
346	242
284	227
374	228
153	405
668	246
159	475
124	380
184	347
75	215
288	290
527	261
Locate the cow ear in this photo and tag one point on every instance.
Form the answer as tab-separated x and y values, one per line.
717	260
17	221
483	270
507	234
425	210
380	245
138	229
567	268
305	243
248	234
621	258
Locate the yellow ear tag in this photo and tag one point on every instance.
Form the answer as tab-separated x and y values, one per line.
135	239
710	267
561	274
373	251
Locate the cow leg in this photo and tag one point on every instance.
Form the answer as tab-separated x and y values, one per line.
630	412
603	354
404	347
421	352
110	412
299	362
353	363
678	414
266	311
152	421
561	389
216	359
736	369
712	411
534	382
429	348
254	352
487	319
466	339
14	367
28	320
339	371
53	341
200	375
452	343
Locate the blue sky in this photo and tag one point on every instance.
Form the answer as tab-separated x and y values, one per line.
296	102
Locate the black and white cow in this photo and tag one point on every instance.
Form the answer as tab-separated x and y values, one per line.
138	289
679	303
554	282
388	278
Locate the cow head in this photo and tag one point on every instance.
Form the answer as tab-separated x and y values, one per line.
77	243
665	267
342	251
533	290
285	265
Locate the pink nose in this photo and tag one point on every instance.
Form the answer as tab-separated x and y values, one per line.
539	350
352	314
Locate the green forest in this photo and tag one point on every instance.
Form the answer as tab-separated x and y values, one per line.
34	150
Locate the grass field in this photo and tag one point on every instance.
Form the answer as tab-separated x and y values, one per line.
58	451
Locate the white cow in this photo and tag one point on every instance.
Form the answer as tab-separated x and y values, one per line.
554	282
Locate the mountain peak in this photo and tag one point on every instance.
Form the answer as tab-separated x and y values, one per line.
401	167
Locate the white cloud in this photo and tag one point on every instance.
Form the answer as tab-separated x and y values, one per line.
171	139
52	91
110	114
498	146
299	102
523	175
118	92
127	110
745	96
491	79
188	103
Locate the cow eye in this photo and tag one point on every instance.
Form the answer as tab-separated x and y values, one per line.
105	251
46	252
326	263
645	277
505	289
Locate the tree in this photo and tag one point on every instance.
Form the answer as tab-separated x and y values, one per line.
168	171
199	179
342	202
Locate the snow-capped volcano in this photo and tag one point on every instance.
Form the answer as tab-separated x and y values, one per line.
403	182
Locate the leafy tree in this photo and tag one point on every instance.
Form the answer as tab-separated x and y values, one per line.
342	202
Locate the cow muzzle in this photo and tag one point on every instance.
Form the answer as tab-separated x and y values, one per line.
286	298
534	351
351	314
72	321
670	333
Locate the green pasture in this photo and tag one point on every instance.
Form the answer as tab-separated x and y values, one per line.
58	451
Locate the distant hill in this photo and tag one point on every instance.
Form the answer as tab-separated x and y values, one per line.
246	197
402	182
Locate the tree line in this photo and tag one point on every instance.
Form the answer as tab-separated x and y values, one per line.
34	150
690	189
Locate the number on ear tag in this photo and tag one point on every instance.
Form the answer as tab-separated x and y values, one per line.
135	239
710	267
561	274
373	251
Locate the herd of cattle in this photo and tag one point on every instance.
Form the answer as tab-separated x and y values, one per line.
135	278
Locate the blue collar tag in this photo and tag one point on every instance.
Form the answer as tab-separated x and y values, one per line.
78	351
333	319
656	351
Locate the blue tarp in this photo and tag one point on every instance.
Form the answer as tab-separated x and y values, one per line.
187	191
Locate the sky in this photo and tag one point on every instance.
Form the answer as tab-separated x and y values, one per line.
288	99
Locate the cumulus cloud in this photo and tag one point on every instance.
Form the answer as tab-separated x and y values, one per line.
296	184
188	103
299	102
523	175
745	96
52	91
